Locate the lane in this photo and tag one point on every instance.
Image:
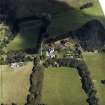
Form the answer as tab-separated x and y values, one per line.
102	3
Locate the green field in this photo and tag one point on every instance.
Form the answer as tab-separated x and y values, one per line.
62	86
66	16
96	64
14	85
24	40
65	83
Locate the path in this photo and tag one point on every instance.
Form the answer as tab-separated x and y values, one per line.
102	3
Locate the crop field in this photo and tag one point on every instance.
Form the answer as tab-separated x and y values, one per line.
14	85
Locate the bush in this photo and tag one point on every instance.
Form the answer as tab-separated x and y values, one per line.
28	58
30	99
2	52
15	56
36	79
46	64
103	49
2	61
87	5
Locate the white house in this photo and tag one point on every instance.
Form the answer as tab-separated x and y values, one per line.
50	53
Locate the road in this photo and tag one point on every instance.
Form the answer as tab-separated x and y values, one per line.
102	3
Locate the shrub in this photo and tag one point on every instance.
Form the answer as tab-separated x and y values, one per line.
15	56
36	79
87	5
28	58
2	61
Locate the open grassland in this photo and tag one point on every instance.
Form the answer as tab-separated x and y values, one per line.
14	85
62	86
96	65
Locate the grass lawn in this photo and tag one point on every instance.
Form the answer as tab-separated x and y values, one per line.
62	86
14	84
96	64
23	40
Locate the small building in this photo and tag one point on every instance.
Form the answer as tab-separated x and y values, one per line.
50	53
14	65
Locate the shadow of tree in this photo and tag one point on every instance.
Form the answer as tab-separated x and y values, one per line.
64	18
